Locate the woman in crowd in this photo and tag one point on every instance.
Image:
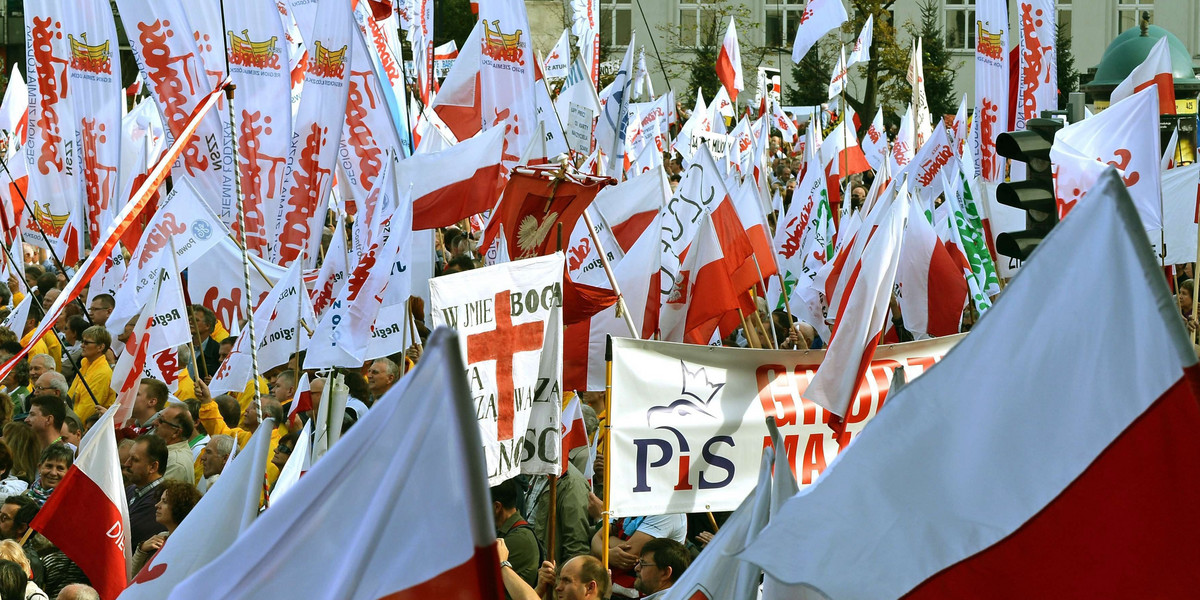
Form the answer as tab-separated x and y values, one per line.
178	499
10	484
23	445
13	581
10	550
56	460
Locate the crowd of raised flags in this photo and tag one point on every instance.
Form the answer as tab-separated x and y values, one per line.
264	222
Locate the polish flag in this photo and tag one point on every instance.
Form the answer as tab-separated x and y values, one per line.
226	510
421	529
302	401
128	372
459	102
711	293
630	206
87	517
1112	517
935	290
1155	70
750	213
574	431
453	184
729	63
860	319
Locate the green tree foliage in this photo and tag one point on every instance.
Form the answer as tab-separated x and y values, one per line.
452	20
811	76
939	66
691	50
1068	76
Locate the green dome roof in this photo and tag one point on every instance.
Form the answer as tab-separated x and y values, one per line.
1130	48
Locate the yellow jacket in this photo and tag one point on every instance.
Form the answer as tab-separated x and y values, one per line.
247	396
47	344
98	375
210	417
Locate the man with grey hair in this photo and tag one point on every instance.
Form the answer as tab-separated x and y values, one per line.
175	427
40	363
78	591
381	376
53	382
216	453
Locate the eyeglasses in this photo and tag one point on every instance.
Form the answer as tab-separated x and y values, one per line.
85	342
98	308
640	564
281	449
166	422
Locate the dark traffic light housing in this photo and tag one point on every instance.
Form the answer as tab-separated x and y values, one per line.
1034	195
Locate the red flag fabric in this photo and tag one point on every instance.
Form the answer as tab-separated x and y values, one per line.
1155	70
534	201
87	515
574	432
729	63
459	103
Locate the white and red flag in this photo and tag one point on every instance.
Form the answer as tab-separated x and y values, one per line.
729	63
1037	89
784	123
224	295
13	121
94	81
87	517
52	150
574	432
861	52
933	290
1155	71
819	18
1074	523
508	318
991	85
860	318
706	293
312	157
1124	136
904	146
559	59
458	103
368	133
611	126
803	244
920	102
302	401
698	122
874	143
841	72
334	270
222	515
419	446
453	184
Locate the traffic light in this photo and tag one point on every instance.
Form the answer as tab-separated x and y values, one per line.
1034	195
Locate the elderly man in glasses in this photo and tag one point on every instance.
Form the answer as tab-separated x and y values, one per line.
175	427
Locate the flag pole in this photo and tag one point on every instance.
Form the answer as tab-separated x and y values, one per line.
764	286
612	279
241	222
552	515
608	413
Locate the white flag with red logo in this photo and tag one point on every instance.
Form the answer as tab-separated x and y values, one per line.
262	111
13	121
508	318
1155	71
182	222
94	81
392	331
819	17
698	122
874	143
904	146
729	63
1124	136
368	135
860	319
218	520
213	286
506	75
861	52
334	270
781	121
87	517
419	448
559	59
841	72
283	319
52	152
803	244
312	158
1037	89
171	55
991	85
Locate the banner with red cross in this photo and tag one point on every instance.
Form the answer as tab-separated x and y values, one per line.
510	321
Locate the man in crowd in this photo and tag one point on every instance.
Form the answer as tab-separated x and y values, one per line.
52	383
582	578
78	591
46	416
524	548
381	377
208	350
627	538
72	429
175	428
94	372
16	514
284	385
216	452
151	398
143	470
574	524
660	566
101	308
39	364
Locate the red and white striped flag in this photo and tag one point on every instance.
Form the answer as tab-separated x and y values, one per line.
729	63
1156	70
302	401
458	103
574	432
453	184
87	517
934	289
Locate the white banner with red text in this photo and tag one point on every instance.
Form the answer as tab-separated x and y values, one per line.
689	422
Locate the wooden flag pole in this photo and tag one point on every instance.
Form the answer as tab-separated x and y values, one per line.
606	526
552	515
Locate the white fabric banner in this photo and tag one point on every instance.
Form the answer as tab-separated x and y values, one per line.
508	319
506	74
1037	88
691	420
991	85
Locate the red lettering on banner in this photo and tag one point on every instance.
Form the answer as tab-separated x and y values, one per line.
360	136
813	460
246	53
795	232
168	365
386	58
1123	157
807	14
361	272
873	134
775	390
310	180
512	129
250	161
51	88
324	296
578	253
99	193
933	166
330	64
168	85
227	308
500	345
90	58
988	160
1034	54
156	239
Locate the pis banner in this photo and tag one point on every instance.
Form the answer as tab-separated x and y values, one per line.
689	422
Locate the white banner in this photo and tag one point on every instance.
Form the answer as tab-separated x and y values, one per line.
367	132
1037	88
689	422
508	317
991	85
506	74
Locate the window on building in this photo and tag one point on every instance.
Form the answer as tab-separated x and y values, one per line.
697	20
1064	16
960	24
1129	13
616	22
782	19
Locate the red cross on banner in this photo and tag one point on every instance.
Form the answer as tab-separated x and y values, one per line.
500	344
